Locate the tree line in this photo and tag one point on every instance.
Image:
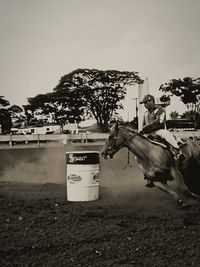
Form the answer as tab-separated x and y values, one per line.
85	93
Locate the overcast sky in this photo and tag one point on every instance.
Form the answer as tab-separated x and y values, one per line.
41	40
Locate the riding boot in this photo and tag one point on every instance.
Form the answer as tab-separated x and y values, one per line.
178	154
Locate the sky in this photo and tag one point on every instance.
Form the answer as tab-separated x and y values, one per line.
42	40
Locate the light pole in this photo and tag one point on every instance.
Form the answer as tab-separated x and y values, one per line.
136	106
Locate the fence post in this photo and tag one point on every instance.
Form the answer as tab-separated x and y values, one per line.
63	140
38	140
86	137
10	142
82	138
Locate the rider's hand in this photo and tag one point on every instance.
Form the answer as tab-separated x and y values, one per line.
142	131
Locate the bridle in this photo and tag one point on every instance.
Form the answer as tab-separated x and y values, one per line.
113	146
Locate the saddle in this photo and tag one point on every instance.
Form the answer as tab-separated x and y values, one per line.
158	140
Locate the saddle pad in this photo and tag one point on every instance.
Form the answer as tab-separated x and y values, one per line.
158	143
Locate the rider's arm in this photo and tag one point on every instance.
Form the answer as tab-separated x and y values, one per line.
143	122
158	123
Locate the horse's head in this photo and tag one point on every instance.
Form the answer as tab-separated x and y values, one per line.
116	140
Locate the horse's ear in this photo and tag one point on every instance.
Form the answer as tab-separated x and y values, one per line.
116	125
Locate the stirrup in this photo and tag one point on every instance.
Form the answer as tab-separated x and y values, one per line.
181	157
178	155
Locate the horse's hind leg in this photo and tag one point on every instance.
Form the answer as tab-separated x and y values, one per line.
197	158
181	184
166	188
196	152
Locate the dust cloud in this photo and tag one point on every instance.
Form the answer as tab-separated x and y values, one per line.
123	183
121	180
33	165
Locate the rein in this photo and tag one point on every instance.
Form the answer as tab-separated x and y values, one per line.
126	141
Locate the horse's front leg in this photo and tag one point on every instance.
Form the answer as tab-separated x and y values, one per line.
166	188
181	184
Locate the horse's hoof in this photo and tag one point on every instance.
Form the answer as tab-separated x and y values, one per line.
181	204
150	184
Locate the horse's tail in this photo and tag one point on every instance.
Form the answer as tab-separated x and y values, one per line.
195	148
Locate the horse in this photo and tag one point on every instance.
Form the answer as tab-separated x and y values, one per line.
156	161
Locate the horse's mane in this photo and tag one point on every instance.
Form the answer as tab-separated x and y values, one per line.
128	125
131	127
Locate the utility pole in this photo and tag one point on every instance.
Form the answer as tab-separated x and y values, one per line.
136	106
143	89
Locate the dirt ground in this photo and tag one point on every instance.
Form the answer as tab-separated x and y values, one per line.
129	225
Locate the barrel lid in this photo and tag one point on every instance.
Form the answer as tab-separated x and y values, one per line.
82	157
82	151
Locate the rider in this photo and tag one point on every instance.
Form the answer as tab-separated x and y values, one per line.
154	122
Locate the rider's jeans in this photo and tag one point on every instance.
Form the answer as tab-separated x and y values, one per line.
168	136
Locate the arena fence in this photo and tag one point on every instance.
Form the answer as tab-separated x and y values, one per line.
64	139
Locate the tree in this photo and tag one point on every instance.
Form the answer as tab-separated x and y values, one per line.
95	92
187	89
5	117
17	116
52	107
39	106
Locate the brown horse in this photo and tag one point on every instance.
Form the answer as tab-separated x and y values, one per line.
156	162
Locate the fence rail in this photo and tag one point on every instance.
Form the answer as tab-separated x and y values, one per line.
57	138
65	139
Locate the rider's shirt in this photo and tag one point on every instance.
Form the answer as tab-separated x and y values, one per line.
154	120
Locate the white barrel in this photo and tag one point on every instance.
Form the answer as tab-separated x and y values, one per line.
82	172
